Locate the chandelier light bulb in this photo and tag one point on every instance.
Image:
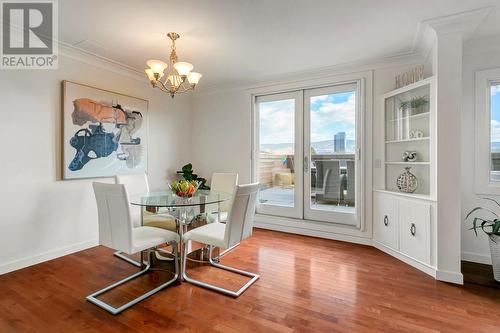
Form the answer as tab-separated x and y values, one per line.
183	68
150	74
194	77
157	66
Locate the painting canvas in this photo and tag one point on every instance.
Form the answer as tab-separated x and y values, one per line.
105	133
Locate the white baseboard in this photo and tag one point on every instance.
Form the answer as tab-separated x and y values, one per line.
407	260
480	258
49	255
307	229
452	277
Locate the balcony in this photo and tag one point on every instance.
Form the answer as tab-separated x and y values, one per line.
331	178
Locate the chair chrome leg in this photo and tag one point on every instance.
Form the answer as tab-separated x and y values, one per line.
226	251
93	297
120	255
232	293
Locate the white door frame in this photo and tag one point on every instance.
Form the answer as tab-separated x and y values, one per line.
310	227
323	215
278	210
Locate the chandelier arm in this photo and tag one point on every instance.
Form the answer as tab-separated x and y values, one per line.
163	86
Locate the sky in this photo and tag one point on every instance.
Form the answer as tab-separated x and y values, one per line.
495	113
329	114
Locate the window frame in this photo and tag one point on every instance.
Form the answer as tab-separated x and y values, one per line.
484	79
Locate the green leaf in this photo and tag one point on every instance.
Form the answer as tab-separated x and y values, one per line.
491	199
495	227
480	208
188	168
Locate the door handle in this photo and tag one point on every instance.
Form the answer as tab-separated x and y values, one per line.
306	164
386	220
413	229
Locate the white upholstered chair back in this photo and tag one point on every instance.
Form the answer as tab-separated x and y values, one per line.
135	184
226	183
115	221
241	215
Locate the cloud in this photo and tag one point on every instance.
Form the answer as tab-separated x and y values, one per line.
322	98
330	117
495	130
277	121
329	114
495	89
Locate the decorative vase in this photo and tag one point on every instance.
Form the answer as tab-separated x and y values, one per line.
410	156
407	182
495	255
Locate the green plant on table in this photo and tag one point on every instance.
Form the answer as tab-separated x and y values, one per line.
188	174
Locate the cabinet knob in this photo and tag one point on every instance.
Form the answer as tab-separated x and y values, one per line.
386	220
413	229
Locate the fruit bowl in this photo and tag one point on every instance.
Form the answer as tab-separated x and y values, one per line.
184	188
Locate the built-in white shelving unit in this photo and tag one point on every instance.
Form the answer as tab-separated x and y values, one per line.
404	224
409	127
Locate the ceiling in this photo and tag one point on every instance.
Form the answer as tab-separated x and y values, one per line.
232	41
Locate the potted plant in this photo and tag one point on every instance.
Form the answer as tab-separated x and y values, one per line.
491	227
188	174
414	106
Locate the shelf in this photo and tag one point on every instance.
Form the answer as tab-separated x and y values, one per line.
408	140
415	116
409	163
426	197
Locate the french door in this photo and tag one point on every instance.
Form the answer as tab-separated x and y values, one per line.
279	155
307	154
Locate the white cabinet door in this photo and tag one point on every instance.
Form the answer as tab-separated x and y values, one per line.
385	219
414	230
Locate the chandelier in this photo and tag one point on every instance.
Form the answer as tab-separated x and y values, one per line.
180	77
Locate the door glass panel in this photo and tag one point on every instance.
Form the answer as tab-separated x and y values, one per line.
276	152
332	173
495	132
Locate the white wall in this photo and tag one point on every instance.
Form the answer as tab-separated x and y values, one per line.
222	140
41	216
478	55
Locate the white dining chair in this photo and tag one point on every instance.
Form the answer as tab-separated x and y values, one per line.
118	230
226	183
138	184
225	235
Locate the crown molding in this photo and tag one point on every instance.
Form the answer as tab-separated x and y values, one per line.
81	55
401	59
465	23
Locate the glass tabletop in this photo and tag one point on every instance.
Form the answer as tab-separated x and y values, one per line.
169	199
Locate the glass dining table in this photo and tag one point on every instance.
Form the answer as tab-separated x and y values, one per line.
183	209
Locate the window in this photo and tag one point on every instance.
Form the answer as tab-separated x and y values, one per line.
487	143
495	131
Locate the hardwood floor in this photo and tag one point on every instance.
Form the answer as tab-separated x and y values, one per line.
480	274
306	285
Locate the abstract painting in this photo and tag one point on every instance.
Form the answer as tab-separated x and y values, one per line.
105	133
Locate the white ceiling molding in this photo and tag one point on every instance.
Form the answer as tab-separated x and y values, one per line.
465	22
76	53
406	58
